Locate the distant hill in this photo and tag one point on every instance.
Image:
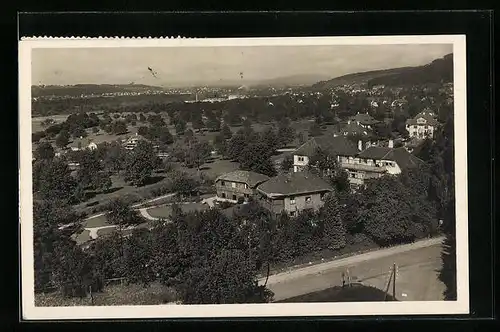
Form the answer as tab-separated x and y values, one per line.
78	89
439	70
290	81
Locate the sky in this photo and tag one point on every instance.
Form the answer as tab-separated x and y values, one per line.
185	66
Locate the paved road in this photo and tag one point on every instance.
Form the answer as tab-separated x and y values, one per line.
418	266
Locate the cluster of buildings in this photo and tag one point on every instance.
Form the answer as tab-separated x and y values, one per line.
301	190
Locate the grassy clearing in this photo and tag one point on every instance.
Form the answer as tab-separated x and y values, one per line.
96	222
131	294
165	211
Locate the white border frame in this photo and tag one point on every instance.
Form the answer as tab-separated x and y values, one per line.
30	312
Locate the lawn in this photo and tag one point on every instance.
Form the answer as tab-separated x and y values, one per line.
96	222
132	294
165	211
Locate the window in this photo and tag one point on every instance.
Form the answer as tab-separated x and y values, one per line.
234	197
233	184
223	195
246	195
301	158
414	127
353	175
308	199
292	200
292	213
222	183
246	186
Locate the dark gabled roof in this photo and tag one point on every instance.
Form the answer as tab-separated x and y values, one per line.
355	128
364	118
404	158
336	145
248	177
294	184
429	117
401	156
374	152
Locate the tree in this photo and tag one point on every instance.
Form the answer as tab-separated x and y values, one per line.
91	172
221	145
55	181
79	132
198	154
180	127
256	157
226	131
270	139
138	257
37	136
213	124
228	278
236	145
182	184
121	214
47	217
286	133
119	128
143	131
62	139
198	123
386	211
287	163
114	157
44	151
315	130
301	138
334	232
139	164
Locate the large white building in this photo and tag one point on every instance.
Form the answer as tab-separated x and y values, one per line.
423	125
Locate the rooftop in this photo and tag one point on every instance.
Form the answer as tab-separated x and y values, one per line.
427	115
336	145
363	118
248	177
294	184
401	156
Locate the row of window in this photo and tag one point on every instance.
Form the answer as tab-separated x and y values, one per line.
415	127
234	198
292	200
233	184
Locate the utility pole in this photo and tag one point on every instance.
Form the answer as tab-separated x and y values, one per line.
91	296
394	281
391	272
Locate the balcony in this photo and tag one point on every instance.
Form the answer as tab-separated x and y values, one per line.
363	167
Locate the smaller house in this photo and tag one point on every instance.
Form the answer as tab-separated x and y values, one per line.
422	125
364	120
82	144
293	193
238	185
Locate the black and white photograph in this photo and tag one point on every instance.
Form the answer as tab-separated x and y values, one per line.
244	177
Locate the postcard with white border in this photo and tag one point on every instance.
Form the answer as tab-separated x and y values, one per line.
248	177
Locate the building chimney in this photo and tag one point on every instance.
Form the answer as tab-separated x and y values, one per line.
391	143
360	145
